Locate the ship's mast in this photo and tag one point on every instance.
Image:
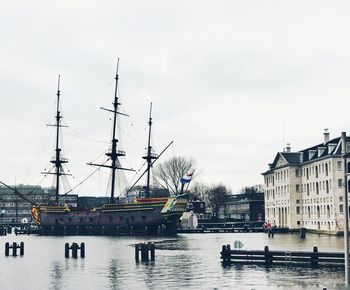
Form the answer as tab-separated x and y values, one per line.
58	150
58	161
150	155
114	153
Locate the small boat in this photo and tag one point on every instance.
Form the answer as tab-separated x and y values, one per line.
144	215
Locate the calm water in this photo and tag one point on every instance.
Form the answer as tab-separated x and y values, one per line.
187	261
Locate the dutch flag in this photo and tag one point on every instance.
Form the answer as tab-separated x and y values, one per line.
187	178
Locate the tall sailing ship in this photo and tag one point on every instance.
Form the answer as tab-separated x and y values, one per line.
145	214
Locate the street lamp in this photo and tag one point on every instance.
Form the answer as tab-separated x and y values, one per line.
345	156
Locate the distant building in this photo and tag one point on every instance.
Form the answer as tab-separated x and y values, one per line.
198	207
305	188
244	207
13	209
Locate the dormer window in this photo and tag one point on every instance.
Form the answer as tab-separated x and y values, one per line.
311	154
331	147
320	151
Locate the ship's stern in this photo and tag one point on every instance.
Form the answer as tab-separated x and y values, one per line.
171	212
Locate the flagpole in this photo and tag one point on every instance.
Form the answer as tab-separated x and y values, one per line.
346	211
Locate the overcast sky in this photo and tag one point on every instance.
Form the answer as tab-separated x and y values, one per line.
231	82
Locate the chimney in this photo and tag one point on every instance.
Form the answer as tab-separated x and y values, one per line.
326	136
343	143
288	148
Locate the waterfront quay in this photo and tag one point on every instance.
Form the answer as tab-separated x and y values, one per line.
185	261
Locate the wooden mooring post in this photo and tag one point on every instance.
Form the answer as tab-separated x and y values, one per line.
74	247
14	248
3	231
226	257
268	256
270	232
147	251
314	257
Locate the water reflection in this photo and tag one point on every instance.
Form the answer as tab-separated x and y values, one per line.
56	276
180	243
188	261
285	276
113	274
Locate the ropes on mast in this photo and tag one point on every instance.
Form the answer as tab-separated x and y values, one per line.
80	183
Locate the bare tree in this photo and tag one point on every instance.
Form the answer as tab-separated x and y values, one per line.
169	173
199	191
217	196
252	189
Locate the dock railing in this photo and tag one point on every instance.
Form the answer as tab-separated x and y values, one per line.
267	257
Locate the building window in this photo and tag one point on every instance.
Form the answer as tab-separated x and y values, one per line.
341	208
297	172
339	165
326	168
327	186
328	212
297	188
298	209
340	182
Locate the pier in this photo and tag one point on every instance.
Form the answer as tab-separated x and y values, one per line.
226	227
312	258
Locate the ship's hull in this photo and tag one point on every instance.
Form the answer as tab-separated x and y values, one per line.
133	218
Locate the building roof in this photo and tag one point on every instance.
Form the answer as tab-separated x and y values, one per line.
245	197
319	151
292	157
